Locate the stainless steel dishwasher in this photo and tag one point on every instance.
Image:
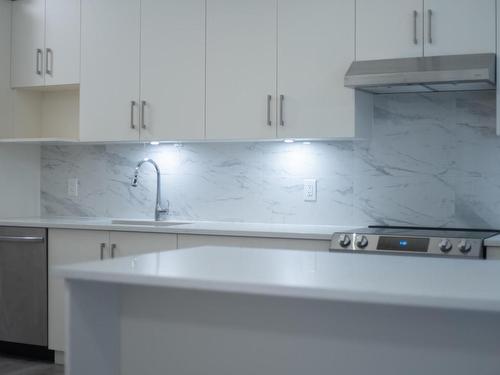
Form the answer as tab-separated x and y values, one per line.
23	285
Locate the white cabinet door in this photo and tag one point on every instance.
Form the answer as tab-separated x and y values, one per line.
315	49
28	30
241	69
173	69
187	241
136	243
62	42
455	27
6	130
388	29
67	247
110	70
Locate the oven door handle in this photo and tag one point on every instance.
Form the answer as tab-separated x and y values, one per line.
21	239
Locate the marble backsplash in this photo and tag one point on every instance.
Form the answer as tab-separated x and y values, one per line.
433	159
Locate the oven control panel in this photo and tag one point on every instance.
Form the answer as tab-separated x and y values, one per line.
407	244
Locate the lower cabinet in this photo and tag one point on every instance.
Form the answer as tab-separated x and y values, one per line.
68	246
185	241
75	246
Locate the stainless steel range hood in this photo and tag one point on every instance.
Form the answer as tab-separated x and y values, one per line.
424	74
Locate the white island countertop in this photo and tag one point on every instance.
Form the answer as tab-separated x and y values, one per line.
380	279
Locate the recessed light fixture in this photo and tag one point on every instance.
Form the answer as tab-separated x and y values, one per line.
289	141
306	143
154	143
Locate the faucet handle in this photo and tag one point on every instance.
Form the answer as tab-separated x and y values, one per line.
163	210
166	209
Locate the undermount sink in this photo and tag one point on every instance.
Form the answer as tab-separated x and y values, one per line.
148	222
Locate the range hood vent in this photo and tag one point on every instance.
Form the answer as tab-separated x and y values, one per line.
424	74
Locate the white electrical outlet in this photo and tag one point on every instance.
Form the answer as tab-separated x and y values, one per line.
310	190
73	187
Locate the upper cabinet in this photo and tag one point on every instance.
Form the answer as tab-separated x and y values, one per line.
188	70
455	27
5	91
172	69
143	70
388	29
62	42
109	89
275	69
28	43
241	69
45	43
313	57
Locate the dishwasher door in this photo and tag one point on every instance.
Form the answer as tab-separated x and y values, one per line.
23	285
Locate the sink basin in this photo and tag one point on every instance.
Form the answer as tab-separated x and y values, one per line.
148	222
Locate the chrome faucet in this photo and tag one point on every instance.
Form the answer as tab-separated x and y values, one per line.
159	210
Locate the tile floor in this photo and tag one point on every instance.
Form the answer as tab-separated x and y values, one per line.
15	366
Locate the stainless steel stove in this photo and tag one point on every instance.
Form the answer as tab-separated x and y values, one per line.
455	243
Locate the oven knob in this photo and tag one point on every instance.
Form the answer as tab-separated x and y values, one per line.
465	247
362	242
445	246
344	240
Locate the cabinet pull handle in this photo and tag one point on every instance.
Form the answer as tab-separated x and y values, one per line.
102	247
113	250
269	121
429	12
132	113
39	56
49	61
143	108
282	101
415	18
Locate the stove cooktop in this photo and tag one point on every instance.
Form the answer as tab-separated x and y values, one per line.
437	242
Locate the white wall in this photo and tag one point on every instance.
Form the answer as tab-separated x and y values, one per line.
19	180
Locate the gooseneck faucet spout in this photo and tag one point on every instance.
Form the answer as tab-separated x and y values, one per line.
159	209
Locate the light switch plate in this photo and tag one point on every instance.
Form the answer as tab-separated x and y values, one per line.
310	190
73	187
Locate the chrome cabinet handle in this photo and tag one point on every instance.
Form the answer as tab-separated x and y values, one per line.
429	12
282	101
113	250
415	18
39	56
143	108
49	61
133	103
102	247
269	121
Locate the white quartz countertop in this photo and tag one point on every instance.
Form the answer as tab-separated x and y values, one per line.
394	280
312	232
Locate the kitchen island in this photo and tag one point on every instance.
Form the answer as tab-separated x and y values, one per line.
226	311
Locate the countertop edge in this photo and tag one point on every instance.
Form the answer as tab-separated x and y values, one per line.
194	228
332	295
